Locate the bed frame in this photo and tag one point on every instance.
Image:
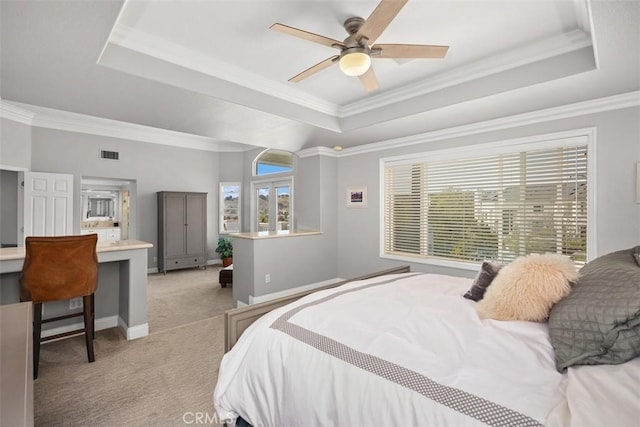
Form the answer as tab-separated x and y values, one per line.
238	319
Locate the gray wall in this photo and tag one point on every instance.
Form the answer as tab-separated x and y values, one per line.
15	145
8	207
350	242
618	215
292	261
153	167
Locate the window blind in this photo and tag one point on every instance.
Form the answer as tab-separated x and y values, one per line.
493	207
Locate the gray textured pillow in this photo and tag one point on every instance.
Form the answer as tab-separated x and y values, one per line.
599	321
488	272
636	254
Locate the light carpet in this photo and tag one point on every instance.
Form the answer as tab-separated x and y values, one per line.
164	379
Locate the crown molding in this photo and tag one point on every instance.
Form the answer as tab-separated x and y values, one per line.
317	151
609	103
534	52
73	122
12	112
80	123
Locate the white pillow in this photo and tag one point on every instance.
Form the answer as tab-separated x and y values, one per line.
528	287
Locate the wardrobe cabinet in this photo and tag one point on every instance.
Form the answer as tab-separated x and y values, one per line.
182	230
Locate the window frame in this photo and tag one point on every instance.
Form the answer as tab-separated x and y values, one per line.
221	193
577	137
256	160
272	181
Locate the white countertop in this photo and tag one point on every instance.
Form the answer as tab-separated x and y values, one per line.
118	245
274	234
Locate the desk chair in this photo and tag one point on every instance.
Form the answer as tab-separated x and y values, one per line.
55	269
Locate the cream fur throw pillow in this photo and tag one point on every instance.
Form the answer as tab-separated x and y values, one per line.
528	287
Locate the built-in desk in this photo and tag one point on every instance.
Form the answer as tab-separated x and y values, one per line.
125	282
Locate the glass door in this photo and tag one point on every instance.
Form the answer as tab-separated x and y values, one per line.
273	207
262	208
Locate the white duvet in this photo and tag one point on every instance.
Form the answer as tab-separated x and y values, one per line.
395	350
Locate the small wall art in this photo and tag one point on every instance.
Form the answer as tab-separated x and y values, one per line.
357	197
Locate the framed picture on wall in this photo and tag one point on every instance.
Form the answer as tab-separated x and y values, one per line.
357	197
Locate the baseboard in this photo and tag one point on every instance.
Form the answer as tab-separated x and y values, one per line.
101	323
287	292
133	332
241	304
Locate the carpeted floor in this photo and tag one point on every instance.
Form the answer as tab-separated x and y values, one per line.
165	379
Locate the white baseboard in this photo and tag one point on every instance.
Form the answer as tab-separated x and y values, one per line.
101	323
287	292
241	304
133	332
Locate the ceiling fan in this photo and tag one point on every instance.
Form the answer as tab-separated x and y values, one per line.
357	49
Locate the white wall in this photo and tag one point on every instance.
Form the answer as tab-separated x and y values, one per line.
618	215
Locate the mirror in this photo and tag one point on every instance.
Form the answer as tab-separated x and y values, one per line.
99	205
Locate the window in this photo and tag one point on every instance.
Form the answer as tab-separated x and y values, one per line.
272	201
230	207
273	161
490	207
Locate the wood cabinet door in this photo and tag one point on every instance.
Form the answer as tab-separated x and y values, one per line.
196	223
175	225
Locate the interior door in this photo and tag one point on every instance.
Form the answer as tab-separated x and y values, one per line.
47	205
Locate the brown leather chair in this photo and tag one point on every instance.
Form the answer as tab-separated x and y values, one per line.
60	268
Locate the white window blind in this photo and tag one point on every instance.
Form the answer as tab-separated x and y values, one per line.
488	208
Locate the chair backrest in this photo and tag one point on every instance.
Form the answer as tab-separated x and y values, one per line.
58	268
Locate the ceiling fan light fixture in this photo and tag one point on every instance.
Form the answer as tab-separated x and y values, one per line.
355	62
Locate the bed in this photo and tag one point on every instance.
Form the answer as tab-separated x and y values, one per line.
407	349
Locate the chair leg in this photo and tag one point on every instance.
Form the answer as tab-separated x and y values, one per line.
93	315
88	326
37	330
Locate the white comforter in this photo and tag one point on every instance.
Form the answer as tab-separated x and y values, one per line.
395	350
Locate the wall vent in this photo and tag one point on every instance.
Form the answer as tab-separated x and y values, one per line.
111	155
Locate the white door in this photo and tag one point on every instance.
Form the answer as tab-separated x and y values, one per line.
47	205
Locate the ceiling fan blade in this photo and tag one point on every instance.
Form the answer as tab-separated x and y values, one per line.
312	70
369	80
379	19
407	51
316	38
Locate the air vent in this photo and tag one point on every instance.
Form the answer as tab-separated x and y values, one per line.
111	155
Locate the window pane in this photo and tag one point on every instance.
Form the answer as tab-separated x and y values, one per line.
274	161
283	193
495	207
262	206
230	207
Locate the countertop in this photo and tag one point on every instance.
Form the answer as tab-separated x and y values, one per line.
118	245
275	234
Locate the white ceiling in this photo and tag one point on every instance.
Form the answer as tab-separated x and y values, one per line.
215	72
